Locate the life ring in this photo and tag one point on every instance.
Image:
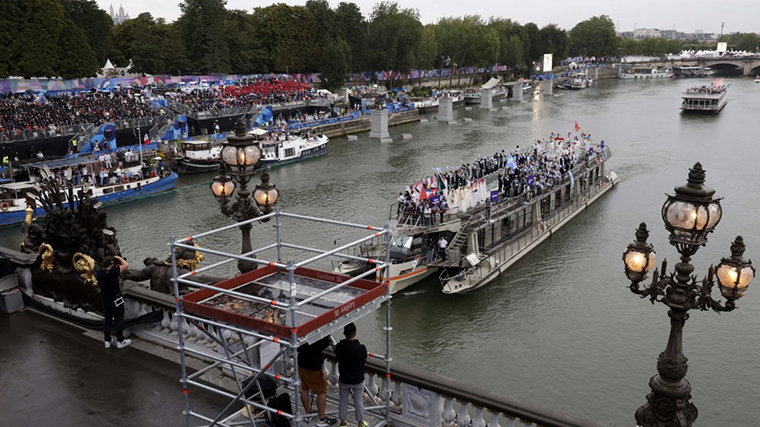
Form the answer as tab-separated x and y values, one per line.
4	206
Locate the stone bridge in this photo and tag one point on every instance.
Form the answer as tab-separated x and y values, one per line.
747	65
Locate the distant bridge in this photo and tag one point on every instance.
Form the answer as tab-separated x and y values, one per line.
748	65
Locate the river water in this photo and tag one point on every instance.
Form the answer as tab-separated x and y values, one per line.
560	329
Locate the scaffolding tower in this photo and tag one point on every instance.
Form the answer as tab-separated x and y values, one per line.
243	317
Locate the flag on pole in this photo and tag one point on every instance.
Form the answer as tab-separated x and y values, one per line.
577	128
146	139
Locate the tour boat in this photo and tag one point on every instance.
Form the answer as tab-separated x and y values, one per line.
576	81
688	72
484	239
647	73
197	156
471	96
288	148
14	196
704	99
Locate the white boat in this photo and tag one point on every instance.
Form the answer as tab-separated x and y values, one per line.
647	73
688	72
16	196
704	99
288	148
757	79
199	156
471	96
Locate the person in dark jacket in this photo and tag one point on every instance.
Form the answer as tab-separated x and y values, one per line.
113	303
351	357
310	362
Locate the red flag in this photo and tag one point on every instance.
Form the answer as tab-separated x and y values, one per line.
577	128
423	193
146	139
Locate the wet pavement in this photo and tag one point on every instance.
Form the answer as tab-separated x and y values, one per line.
52	374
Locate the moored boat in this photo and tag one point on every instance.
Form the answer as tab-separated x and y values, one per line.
196	156
128	184
471	96
646	73
287	148
689	72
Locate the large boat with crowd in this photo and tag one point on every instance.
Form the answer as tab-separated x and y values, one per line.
472	223
704	99
86	175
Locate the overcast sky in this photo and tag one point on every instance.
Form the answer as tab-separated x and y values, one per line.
684	15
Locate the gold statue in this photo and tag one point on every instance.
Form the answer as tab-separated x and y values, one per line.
84	264
48	260
191	264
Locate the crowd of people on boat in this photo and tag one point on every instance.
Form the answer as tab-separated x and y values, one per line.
524	173
50	114
711	90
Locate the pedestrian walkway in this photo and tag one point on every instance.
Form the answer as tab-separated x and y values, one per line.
53	374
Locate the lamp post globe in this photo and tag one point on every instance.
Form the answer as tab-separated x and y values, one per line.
239	158
689	215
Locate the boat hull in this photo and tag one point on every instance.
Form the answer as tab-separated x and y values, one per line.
185	165
305	154
167	183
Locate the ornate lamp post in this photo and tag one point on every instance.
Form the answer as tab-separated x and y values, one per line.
689	215
240	156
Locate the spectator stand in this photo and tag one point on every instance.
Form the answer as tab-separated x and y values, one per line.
272	310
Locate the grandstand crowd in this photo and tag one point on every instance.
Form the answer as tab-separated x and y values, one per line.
40	115
34	115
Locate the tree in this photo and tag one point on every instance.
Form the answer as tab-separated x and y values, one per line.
426	51
531	43
36	40
202	24
749	42
393	34
351	27
511	37
594	37
94	22
335	60
246	53
288	35
467	41
552	39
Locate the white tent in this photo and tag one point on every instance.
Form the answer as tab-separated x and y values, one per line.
108	65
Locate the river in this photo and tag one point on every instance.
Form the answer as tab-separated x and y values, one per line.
560	329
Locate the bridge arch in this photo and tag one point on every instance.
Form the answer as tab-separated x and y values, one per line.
755	71
727	69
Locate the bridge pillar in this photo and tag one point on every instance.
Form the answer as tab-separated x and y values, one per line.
517	91
486	99
379	124
547	86
445	109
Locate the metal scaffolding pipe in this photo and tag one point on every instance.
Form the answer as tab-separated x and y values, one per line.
331	221
225	228
236	329
226	261
241	295
338	249
339	285
339	255
232	396
225	254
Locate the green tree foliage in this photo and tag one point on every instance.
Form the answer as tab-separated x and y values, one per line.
154	46
202	24
393	34
334	64
246	53
287	34
552	39
351	27
37	40
649	46
94	22
594	37
749	42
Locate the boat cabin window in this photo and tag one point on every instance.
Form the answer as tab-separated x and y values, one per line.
290	152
